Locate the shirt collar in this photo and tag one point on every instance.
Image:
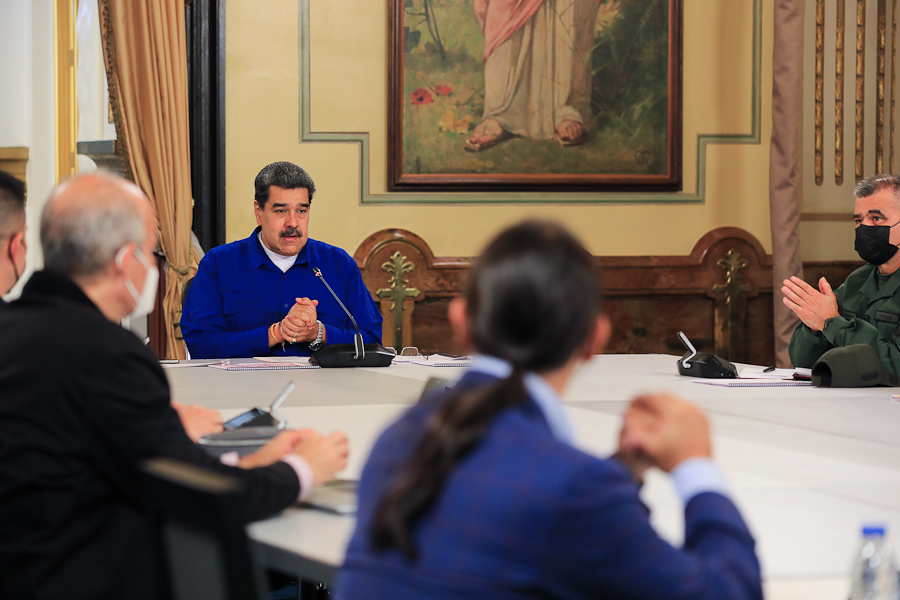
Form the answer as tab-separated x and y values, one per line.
540	391
260	257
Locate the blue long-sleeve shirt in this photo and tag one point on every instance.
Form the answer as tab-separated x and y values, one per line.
239	292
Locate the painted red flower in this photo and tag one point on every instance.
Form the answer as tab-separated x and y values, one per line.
422	96
442	90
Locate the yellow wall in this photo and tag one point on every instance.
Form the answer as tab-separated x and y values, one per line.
348	93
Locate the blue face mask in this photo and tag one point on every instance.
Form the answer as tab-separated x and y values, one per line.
873	243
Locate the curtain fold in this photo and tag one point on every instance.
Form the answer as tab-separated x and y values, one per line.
144	47
785	166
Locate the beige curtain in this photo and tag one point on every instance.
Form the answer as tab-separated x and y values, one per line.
145	52
785	167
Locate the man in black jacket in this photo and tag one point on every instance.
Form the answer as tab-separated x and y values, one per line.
83	402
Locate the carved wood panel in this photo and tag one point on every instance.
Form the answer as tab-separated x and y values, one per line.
648	298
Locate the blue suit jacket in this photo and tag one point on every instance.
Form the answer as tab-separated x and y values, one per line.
528	516
239	292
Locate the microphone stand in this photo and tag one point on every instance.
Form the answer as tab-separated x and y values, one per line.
349	355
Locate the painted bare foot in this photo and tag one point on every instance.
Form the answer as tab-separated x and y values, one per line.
486	135
570	133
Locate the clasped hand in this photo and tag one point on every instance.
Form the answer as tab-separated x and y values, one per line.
300	324
813	306
660	430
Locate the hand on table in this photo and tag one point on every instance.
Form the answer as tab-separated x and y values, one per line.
198	420
277	448
325	455
813	306
300	323
661	430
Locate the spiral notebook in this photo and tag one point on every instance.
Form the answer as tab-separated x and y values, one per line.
754	382
297	363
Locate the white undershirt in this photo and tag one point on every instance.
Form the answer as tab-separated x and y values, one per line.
282	262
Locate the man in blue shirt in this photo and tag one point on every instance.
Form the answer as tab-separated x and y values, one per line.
258	296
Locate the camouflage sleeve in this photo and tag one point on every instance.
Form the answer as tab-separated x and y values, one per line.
807	346
846	332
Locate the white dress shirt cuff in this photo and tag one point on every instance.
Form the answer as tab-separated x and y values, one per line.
696	476
304	474
298	464
230	459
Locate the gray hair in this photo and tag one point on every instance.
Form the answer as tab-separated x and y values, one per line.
876	183
82	240
284	175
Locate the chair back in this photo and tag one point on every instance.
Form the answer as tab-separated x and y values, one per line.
197	517
184	291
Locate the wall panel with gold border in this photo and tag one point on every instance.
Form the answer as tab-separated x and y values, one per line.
307	83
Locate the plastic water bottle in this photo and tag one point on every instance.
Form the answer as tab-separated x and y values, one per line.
874	575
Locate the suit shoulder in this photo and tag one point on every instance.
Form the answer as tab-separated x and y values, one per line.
324	250
226	250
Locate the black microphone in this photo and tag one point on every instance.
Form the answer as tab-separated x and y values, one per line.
349	355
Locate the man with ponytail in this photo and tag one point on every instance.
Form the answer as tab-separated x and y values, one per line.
479	493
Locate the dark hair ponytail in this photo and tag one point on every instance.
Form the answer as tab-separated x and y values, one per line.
532	299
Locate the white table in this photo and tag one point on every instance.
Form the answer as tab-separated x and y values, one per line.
807	466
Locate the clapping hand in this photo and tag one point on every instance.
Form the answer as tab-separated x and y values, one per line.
813	306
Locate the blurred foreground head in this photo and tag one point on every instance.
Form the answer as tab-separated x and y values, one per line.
533	297
99	230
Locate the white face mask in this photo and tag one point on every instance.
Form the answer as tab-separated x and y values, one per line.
146	298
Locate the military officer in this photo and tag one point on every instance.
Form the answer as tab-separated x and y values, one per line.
865	309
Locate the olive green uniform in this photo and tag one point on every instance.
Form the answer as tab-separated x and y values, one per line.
869	315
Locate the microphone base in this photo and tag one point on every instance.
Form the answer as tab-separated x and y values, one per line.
340	356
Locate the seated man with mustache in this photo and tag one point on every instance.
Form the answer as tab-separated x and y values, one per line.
258	296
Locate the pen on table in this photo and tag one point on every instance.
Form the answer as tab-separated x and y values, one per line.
768	369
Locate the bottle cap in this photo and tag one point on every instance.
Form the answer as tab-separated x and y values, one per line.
873	530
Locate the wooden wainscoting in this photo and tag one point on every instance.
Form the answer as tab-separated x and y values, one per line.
720	295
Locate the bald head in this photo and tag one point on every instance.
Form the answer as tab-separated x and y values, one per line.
88	219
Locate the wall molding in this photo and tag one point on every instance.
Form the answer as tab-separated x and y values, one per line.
14	160
361	139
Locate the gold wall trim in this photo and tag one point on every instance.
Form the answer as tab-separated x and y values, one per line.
65	61
893	121
879	86
840	26
829	217
820	90
860	86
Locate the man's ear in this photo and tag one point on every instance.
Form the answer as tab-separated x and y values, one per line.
123	260
598	337
459	321
257	210
17	246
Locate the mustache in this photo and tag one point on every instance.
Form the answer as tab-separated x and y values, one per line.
291	231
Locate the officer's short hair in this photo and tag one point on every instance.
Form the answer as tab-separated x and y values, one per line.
875	183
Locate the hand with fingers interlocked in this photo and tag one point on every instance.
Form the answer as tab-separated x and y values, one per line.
300	324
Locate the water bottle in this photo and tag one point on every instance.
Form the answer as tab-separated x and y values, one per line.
874	574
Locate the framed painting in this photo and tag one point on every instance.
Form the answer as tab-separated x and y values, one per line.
512	95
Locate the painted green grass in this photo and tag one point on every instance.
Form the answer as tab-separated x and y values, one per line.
629	137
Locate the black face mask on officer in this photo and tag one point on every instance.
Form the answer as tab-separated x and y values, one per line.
873	243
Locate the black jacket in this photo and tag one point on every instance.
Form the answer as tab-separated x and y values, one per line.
82	404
